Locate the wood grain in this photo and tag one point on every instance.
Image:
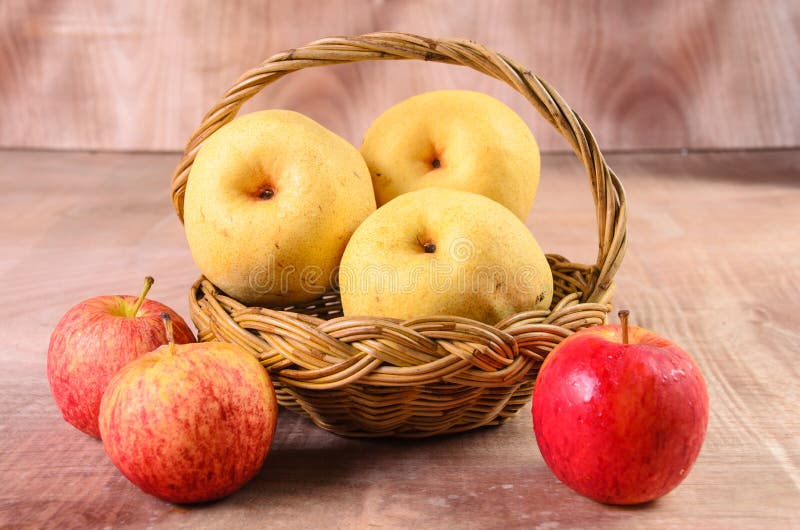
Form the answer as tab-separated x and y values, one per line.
644	75
713	263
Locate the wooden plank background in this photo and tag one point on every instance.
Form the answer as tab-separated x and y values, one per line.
121	75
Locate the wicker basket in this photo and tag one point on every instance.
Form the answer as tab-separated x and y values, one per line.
427	376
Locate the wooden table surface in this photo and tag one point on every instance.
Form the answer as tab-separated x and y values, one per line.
713	263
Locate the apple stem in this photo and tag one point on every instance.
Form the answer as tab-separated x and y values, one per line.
148	283
170	334
623	319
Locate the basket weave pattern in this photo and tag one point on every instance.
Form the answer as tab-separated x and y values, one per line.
365	376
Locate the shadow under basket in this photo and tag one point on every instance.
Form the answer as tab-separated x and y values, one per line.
366	376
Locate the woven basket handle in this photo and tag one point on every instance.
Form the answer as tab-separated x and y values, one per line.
609	196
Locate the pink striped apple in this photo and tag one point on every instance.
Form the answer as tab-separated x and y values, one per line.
190	423
93	340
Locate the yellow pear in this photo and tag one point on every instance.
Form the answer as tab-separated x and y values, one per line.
438	251
271	201
455	139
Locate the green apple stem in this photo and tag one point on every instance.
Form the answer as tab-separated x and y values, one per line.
623	319
170	334
148	283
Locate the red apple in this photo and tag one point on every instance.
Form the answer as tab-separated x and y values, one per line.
93	340
620	413
189	423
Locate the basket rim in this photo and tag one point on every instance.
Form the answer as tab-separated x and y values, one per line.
608	192
319	353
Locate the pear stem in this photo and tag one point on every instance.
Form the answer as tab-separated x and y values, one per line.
148	283
170	334
623	319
